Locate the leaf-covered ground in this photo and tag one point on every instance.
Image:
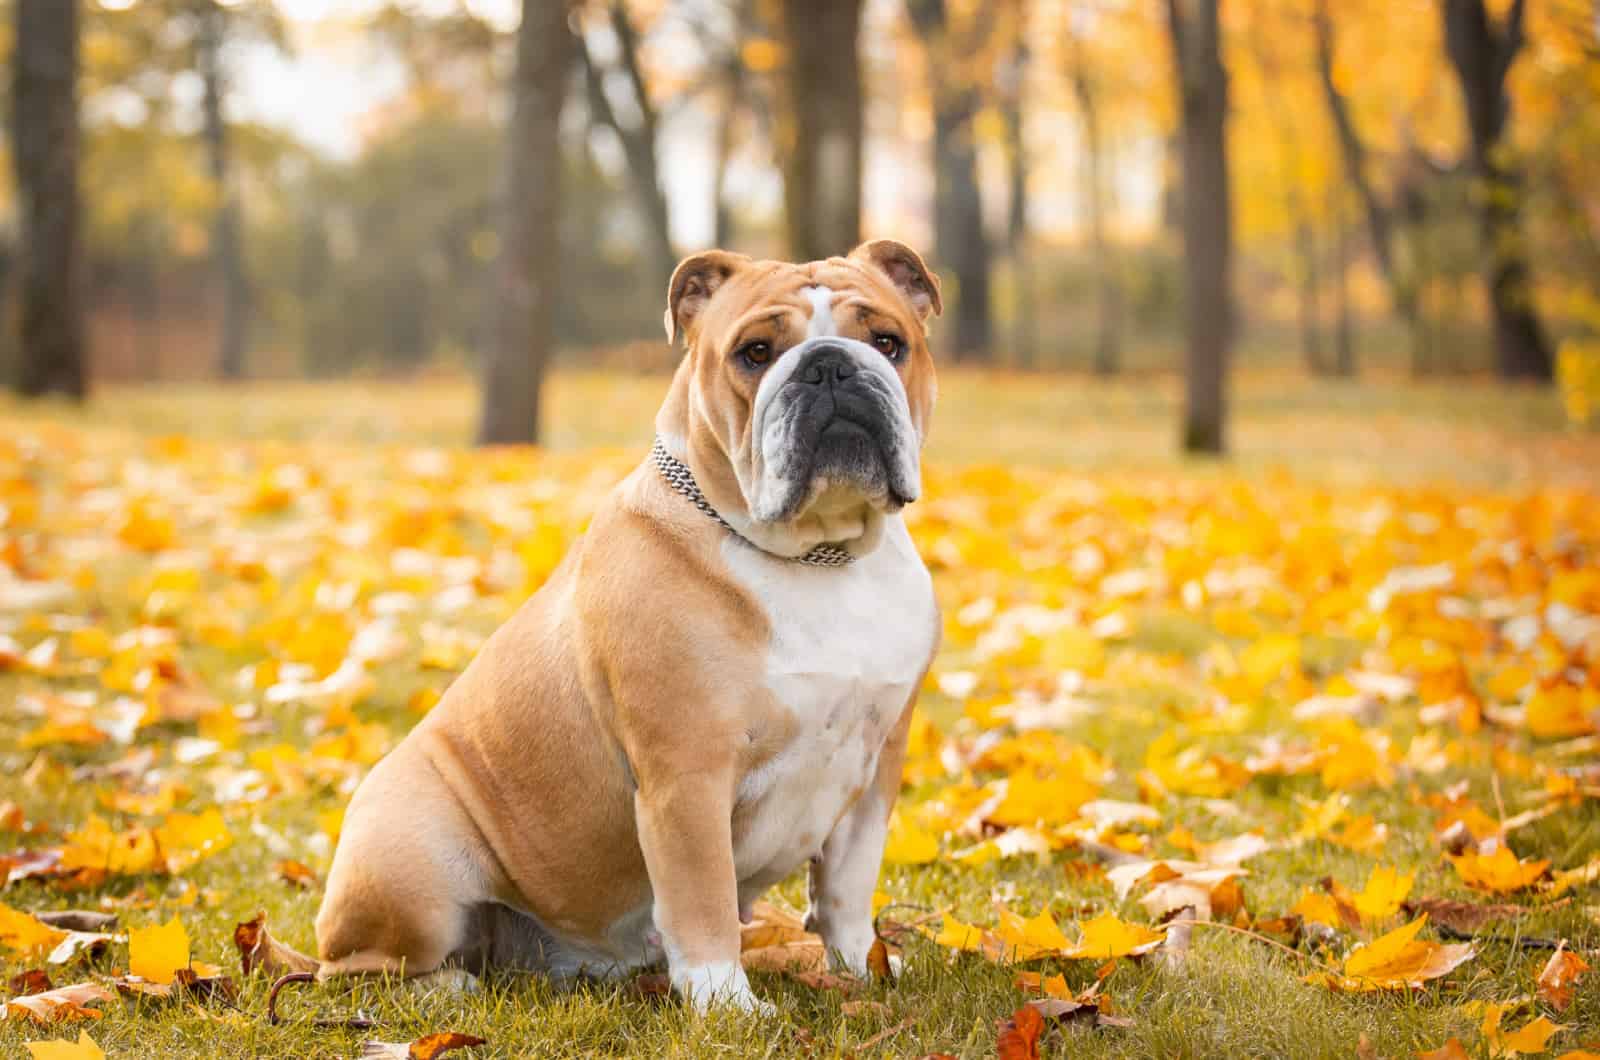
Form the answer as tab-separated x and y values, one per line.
1342	713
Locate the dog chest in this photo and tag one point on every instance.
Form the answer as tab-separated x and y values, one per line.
848	646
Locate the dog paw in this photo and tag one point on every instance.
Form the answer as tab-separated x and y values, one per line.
719	983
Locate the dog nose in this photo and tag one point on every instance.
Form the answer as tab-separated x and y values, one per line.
827	364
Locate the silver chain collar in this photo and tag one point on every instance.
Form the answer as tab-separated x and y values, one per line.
681	479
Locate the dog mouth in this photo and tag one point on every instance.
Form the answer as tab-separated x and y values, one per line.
839	453
836	435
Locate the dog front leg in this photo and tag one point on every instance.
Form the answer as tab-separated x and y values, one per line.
686	834
844	877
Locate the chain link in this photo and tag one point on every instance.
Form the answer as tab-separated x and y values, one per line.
681	480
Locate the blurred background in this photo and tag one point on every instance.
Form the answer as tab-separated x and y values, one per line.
1300	192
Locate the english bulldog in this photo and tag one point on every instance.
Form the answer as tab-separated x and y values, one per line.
712	689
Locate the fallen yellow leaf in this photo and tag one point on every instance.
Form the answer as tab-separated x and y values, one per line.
156	953
83	1049
1396	961
1499	871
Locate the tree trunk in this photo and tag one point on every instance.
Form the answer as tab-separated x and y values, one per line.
1108	342
226	252
523	301
820	142
638	142
1482	50
45	133
1344	349
1207	220
729	108
1025	330
1310	309
960	242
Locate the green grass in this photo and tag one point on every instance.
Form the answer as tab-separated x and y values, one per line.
1232	997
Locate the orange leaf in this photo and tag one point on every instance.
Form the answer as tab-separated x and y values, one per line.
1019	1037
61	1004
1562	970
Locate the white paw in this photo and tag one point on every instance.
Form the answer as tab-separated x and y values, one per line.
446	981
719	983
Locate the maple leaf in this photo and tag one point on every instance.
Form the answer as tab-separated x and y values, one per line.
1396	961
1499	871
1106	936
1386	888
82	1049
1531	1037
1450	1050
1030	938
1560	709
1563	969
955	935
157	953
26	934
1019	1036
909	845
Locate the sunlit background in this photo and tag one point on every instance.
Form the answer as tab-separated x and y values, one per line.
360	146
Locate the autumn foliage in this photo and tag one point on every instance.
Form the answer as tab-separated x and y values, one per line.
1341	725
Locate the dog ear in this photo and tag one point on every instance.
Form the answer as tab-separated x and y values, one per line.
906	270
693	282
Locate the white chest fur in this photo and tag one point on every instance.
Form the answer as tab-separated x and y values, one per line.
848	646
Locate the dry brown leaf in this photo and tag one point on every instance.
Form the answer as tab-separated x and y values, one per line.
32	981
879	966
86	920
258	949
1019	1036
296	874
817	980
200	982
1561	971
1466	917
60	1004
876	1009
653	986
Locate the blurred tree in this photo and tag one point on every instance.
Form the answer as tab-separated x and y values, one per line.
820	130
1011	80
1085	75
1482	49
215	25
1207	220
45	134
1397	219
638	138
527	271
746	50
959	63
1269	49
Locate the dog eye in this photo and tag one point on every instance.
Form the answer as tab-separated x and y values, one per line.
756	353
888	344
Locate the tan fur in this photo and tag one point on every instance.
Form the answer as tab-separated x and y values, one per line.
588	759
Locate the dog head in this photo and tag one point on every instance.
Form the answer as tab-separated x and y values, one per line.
804	397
